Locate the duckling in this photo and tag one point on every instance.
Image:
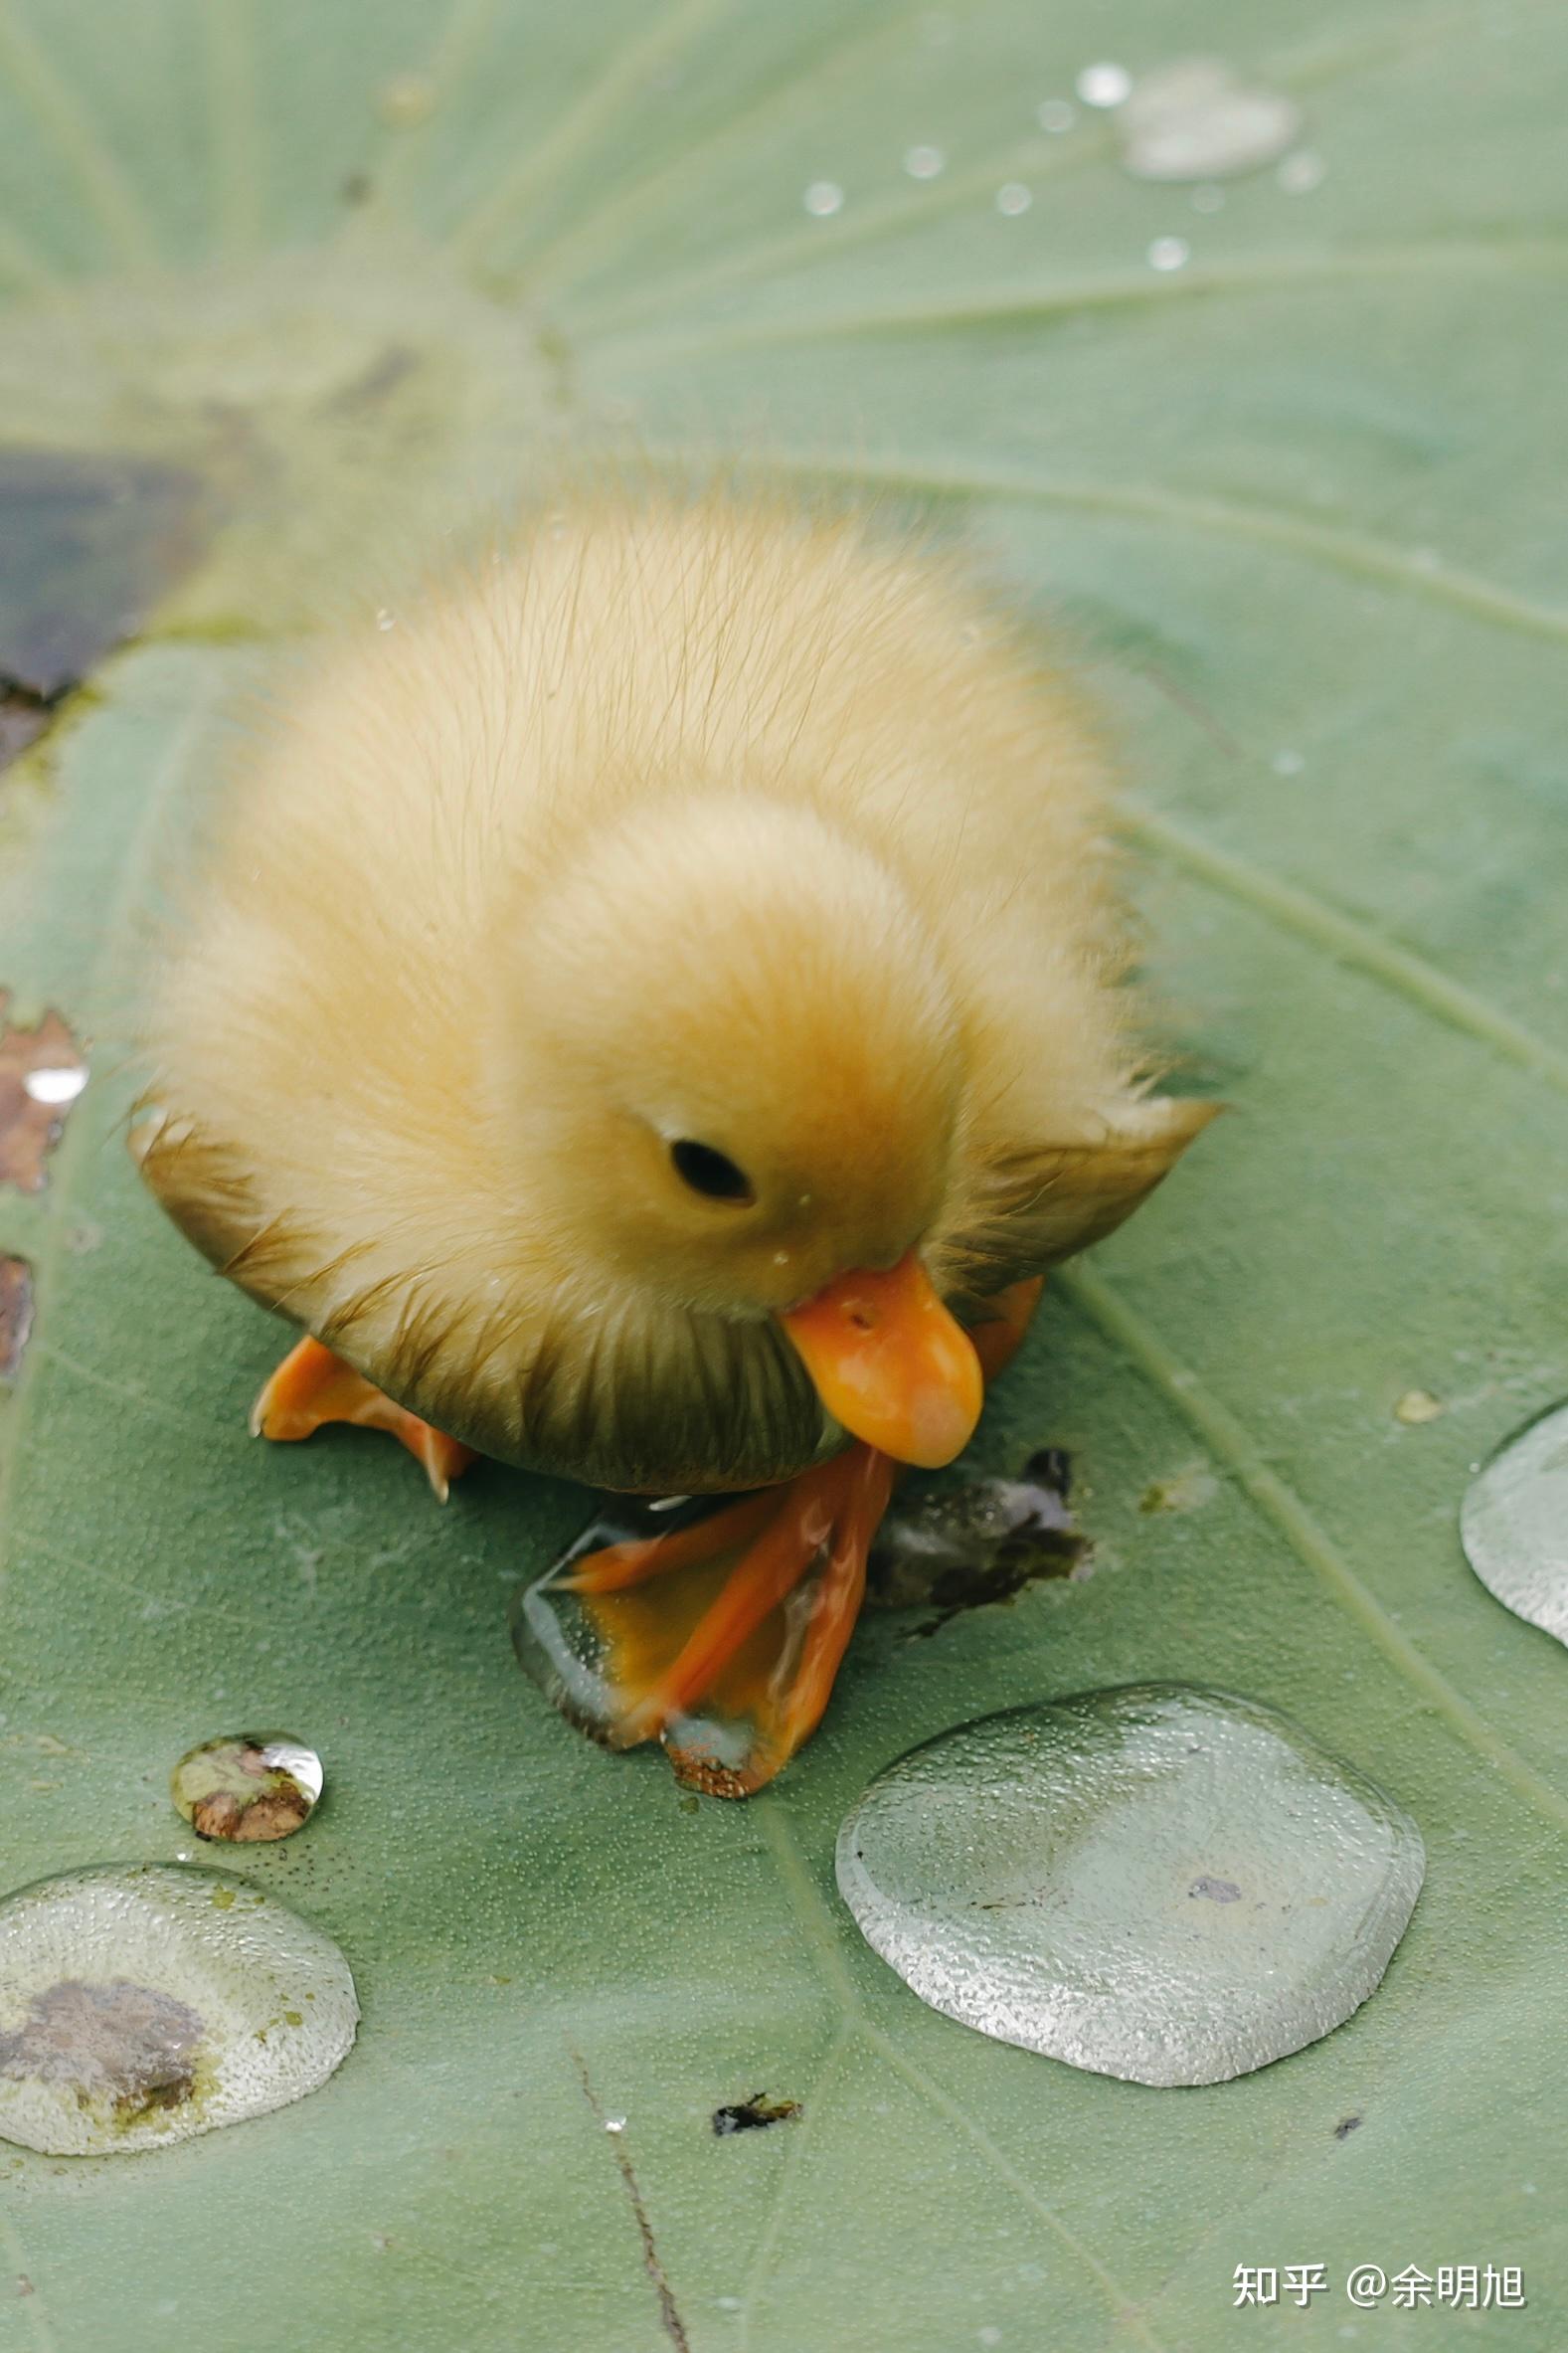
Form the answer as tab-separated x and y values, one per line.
652	1013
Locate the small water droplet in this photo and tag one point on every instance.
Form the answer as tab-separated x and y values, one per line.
1417	1406
823	198
1515	1524
1207	197
1169	253
1105	85
406	102
1040	1876
136	2011
615	2123
248	1786
62	1085
923	163
1288	763
1301	172
1197	120
386	619
1014	198
1056	115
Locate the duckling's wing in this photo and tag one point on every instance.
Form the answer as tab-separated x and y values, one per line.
1038	1205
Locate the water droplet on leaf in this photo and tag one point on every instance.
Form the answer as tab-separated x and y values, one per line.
135	2010
1014	198
248	1786
62	1085
1105	85
1056	115
923	163
1301	173
1159	1882
1196	121
1169	253
1515	1524
823	198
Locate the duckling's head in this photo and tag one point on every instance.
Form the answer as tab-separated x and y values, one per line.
732	1071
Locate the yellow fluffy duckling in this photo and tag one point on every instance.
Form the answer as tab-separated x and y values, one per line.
641	1009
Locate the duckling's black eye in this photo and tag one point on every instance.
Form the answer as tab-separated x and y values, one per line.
709	1173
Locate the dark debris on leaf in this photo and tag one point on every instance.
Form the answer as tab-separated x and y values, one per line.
754	2114
962	1545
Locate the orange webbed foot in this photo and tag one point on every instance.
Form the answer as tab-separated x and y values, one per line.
311	1386
723	1637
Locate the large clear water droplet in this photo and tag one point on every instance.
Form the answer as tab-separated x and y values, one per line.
143	2003
1515	1524
248	1786
1156	1881
1196	121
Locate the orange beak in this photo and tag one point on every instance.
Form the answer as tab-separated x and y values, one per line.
889	1363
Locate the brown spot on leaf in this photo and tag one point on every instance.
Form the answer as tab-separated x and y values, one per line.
38	1068
16	1313
126	2045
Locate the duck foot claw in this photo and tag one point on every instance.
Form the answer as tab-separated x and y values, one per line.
311	1386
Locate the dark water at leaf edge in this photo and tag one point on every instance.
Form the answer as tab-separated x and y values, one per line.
87	547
